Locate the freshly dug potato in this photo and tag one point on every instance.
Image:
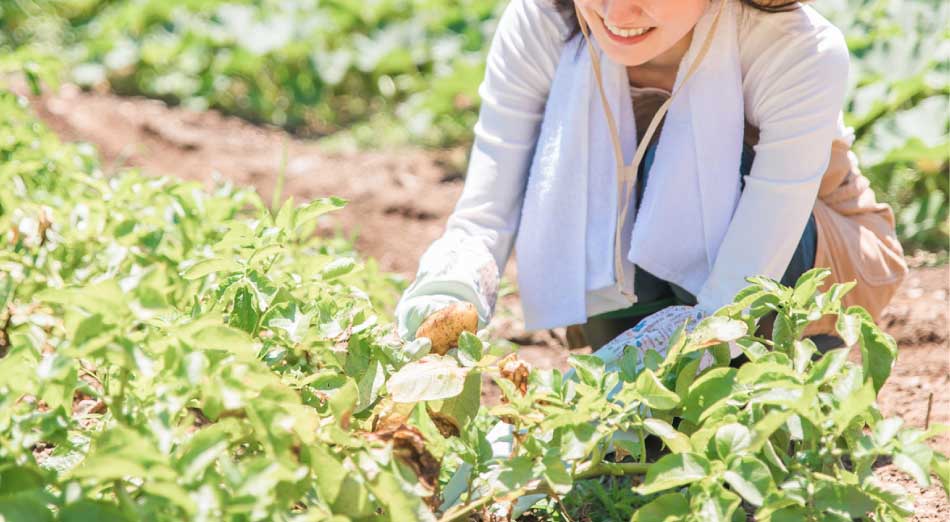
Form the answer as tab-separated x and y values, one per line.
444	327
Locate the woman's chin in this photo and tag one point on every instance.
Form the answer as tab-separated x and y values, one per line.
629	58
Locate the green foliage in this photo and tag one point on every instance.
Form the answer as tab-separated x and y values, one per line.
899	107
169	353
306	65
172	353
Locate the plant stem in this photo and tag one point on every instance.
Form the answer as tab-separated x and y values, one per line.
762	340
612	468
643	444
458	512
930	404
562	507
279	185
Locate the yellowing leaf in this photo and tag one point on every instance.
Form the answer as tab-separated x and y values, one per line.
432	378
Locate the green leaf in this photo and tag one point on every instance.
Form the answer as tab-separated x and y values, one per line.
209	266
286	214
848	327
352	497
753	350
17	507
915	459
672	507
789	514
16	479
807	284
291	320
834	497
225	338
802	352
317	208
91	511
674	470
732	439
855	405
941	468
714	330
172	492
885	430
244	314
463	407
764	429
590	369
878	353
337	268
556	475
750	478
578	441
711	387
327	470
204	447
783	333
766	372
685	378
714	504
515	473
653	393
401	502
676	441
105	298
121	452
343	401
431	378
370	384
470	348
828	366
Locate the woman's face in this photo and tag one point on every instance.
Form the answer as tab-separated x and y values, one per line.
634	32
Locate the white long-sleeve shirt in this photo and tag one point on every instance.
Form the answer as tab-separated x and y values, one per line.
794	74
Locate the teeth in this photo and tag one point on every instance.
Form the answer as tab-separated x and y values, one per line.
625	32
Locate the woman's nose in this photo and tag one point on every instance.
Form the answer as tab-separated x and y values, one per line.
622	13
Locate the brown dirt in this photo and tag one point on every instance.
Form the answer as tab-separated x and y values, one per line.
399	201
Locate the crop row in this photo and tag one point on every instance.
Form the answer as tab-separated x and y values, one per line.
171	353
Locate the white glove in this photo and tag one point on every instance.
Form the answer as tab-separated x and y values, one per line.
652	333
455	268
411	312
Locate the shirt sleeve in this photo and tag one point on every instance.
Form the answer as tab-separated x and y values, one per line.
794	92
519	70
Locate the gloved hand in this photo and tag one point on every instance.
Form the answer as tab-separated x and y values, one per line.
651	333
411	312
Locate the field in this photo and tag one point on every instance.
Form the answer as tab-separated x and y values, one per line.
195	347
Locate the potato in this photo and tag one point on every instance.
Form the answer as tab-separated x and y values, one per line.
444	327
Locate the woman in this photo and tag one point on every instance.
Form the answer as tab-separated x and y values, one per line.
710	130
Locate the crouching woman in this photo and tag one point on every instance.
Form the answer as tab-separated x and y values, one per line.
644	157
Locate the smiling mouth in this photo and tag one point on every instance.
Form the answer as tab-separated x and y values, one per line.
626	34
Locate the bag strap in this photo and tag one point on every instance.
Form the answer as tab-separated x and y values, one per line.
626	172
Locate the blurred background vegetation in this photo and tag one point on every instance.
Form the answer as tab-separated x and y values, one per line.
406	72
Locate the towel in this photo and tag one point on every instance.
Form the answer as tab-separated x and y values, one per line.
572	189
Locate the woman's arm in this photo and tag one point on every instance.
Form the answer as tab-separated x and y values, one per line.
465	262
795	88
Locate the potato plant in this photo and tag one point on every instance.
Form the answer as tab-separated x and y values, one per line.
171	353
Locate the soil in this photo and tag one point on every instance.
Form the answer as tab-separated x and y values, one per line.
398	204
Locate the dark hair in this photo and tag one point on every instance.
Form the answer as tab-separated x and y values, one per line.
566	8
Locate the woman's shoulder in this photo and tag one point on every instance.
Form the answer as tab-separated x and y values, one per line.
802	21
527	45
539	18
787	54
789	38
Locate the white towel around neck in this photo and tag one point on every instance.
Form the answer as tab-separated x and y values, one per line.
571	194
